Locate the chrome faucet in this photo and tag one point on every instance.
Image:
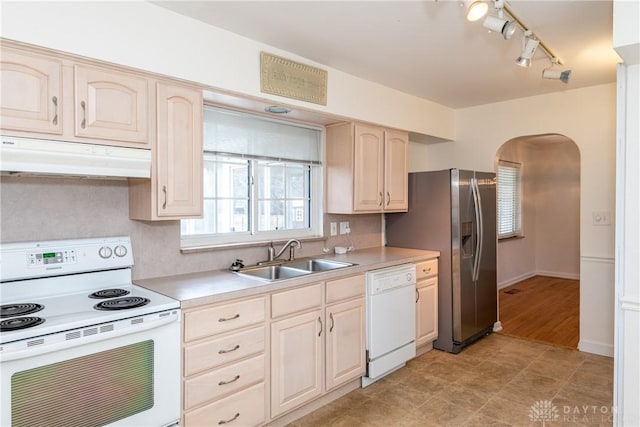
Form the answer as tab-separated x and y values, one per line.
291	244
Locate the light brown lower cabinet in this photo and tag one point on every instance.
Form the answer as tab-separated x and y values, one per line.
249	361
317	350
224	372
426	302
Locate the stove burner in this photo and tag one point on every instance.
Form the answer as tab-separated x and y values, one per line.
13	310
122	303
19	323
109	293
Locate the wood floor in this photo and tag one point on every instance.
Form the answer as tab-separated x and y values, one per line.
542	309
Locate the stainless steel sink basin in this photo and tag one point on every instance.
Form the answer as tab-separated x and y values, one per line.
291	269
273	272
318	264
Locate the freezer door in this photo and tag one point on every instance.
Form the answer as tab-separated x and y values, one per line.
464	236
486	283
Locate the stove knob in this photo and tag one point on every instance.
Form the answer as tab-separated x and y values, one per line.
120	250
105	252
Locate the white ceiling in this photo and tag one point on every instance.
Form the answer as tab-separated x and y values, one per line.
427	48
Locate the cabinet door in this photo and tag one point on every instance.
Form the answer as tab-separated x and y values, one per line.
31	92
427	311
178	154
345	352
368	169
296	361
395	171
111	105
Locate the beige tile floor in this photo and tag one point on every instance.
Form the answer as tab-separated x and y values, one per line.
498	381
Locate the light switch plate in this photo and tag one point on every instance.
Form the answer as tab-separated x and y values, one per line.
601	217
333	229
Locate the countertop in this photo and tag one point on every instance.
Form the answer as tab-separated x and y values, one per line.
208	287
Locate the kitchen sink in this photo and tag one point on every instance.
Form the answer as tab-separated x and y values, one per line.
289	269
317	264
273	272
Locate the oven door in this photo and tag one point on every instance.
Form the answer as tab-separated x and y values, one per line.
112	376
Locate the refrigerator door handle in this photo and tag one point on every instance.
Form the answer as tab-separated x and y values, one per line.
478	218
480	229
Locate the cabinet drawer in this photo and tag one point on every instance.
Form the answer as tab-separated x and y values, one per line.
216	352
223	382
348	287
426	269
295	300
222	318
246	408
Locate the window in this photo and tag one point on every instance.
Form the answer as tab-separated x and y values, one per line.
509	200
262	181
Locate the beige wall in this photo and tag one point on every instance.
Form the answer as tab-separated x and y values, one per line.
587	116
60	208
145	36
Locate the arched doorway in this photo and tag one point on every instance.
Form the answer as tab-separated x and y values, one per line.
539	266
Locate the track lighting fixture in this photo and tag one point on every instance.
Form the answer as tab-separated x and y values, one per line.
499	25
507	25
552	73
475	9
529	48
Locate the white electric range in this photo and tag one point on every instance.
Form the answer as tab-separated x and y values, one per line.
76	333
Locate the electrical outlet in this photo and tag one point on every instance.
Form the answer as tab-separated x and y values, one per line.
333	229
344	227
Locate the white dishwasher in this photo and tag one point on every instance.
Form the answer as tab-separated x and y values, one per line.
391	320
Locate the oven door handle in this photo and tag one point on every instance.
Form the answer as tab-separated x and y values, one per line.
36	350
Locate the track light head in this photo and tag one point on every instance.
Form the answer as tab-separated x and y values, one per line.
550	73
505	27
530	46
475	9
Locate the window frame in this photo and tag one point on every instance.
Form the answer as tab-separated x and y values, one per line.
253	236
516	229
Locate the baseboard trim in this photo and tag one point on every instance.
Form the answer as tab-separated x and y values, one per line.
515	280
525	276
594	347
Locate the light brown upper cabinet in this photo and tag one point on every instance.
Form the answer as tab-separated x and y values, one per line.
175	188
366	169
48	93
31	92
111	105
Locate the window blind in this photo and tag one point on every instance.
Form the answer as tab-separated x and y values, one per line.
232	133
509	200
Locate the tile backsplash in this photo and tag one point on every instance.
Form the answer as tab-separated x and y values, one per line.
35	208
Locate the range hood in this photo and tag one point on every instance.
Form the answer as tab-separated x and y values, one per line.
28	156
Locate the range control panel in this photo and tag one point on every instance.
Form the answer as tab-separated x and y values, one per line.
35	259
58	257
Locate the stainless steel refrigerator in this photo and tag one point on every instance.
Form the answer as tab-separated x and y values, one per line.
454	211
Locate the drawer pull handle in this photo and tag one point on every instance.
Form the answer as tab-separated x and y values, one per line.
55	111
332	322
320	321
237	346
235	417
388	198
417	295
84	115
236	378
426	270
226	319
381	199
